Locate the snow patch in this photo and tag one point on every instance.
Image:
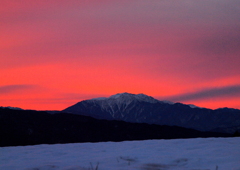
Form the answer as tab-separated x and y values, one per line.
123	97
193	106
177	154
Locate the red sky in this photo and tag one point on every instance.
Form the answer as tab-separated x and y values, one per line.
55	53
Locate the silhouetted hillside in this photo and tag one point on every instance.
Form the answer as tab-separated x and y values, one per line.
28	127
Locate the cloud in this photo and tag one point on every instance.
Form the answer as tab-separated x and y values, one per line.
14	88
218	92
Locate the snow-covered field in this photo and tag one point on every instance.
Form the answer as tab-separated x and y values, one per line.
177	154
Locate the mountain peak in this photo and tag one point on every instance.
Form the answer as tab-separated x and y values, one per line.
123	97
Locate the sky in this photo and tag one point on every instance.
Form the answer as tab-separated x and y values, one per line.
55	53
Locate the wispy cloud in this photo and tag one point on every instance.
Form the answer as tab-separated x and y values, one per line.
218	92
14	88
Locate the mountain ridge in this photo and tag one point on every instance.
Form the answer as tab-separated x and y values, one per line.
140	108
30	127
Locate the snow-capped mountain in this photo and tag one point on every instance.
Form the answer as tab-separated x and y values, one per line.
121	106
140	108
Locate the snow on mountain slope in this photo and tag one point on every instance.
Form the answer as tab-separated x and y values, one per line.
123	97
177	154
128	97
123	100
118	106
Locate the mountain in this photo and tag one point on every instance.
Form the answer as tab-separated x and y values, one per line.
140	108
29	127
9	107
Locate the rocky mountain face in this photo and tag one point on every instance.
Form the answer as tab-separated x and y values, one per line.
141	108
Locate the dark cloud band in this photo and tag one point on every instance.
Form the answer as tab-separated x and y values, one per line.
14	88
218	92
